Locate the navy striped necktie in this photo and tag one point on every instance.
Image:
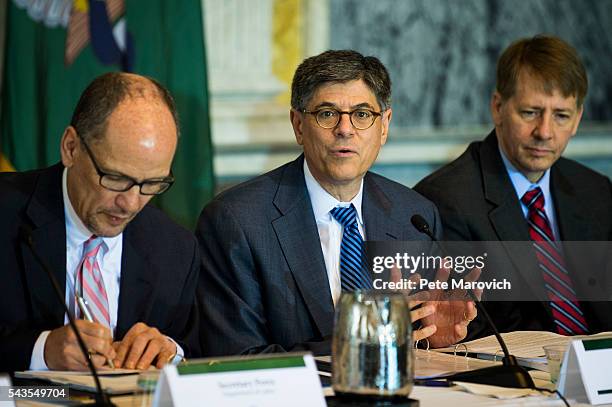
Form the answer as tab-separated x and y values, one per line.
353	273
567	315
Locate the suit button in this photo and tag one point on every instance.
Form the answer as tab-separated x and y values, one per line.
592	281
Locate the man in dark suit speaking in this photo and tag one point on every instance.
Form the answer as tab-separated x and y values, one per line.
515	186
89	220
279	249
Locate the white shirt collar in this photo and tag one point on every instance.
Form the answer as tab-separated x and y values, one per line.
520	182
76	231
323	202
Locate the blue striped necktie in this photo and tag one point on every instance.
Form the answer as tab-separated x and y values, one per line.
353	274
567	314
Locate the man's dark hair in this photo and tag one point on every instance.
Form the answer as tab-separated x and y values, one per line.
339	67
105	93
550	60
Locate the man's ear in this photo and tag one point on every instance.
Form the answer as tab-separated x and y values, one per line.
578	118
297	122
386	121
496	108
69	146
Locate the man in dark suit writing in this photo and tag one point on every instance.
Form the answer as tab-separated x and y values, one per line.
88	218
279	249
515	186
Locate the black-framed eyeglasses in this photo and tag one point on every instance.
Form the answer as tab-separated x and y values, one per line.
122	183
328	117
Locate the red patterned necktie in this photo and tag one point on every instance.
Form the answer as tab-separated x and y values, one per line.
91	283
567	315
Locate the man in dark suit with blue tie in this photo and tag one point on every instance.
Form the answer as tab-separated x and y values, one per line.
279	249
515	186
89	219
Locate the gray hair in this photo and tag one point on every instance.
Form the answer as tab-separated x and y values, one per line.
339	67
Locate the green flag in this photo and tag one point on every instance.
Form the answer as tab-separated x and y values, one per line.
43	81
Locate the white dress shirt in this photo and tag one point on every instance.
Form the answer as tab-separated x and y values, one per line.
522	185
330	230
109	260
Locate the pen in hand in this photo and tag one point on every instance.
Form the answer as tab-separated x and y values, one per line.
87	314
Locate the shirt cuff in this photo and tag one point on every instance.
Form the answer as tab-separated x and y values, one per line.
38	353
180	354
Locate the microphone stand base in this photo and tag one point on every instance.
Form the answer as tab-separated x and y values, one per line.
103	401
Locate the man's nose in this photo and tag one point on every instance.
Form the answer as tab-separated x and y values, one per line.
129	200
544	128
345	126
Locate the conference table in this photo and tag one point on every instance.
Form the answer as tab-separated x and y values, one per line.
456	395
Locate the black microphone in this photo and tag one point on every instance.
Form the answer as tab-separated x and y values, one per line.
509	374
102	398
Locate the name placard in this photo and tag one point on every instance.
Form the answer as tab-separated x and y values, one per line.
270	380
585	373
5	382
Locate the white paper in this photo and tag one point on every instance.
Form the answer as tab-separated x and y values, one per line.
429	365
528	345
115	383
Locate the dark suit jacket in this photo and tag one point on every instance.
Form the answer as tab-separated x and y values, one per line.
477	202
159	268
263	285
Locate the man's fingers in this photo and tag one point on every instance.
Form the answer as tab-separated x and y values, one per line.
442	274
99	346
142	336
153	349
414	279
395	275
412	303
125	344
418	298
74	359
424	332
93	329
98	360
473	275
422	312
166	356
472	312
98	338
458	294
134	332
460	332
136	350
62	350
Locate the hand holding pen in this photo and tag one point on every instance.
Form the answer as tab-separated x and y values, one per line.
62	351
88	317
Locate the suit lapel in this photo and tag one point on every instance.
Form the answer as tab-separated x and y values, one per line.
46	212
297	234
138	279
573	218
506	215
379	225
